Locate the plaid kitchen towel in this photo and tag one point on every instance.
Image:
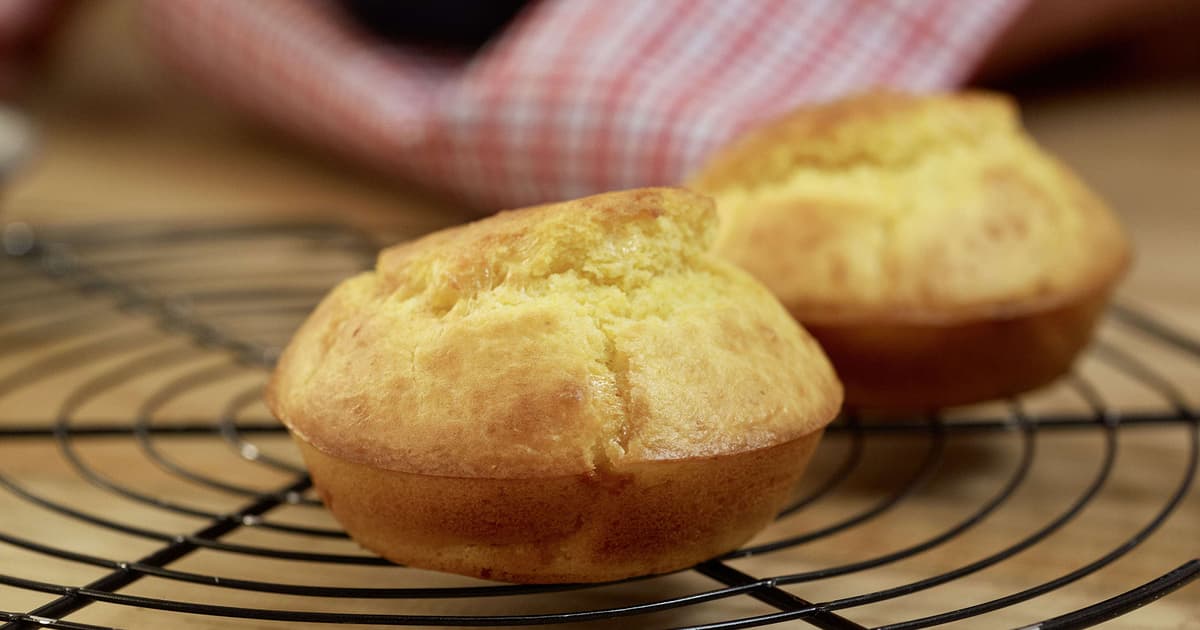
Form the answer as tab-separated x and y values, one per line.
574	96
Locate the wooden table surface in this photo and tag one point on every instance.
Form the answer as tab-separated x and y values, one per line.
120	143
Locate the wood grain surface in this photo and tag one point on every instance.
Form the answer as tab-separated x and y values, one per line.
120	142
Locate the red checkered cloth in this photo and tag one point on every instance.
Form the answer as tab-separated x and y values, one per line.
573	97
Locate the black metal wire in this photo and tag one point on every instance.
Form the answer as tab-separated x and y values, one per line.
72	598
840	474
768	591
142	532
376	619
929	463
1084	571
144	438
46	622
1171	581
68	325
112	428
148	272
1020	472
1153	327
1126	602
232	431
286	588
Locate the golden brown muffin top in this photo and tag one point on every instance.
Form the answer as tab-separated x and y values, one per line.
557	340
888	206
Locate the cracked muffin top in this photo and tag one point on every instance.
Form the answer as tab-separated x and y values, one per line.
898	206
572	338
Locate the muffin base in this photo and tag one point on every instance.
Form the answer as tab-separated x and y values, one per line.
924	365
642	518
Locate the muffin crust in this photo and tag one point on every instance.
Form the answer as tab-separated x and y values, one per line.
541	381
922	217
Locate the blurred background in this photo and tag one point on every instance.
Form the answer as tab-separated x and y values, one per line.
125	131
208	111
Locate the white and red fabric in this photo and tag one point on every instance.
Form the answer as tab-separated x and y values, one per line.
573	97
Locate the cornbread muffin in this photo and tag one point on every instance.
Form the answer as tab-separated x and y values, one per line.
935	251
568	393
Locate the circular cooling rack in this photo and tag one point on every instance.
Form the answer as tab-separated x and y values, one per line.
144	485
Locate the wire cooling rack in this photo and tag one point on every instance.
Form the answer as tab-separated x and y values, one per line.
143	484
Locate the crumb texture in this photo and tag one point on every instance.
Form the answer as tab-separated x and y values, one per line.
891	204
571	338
